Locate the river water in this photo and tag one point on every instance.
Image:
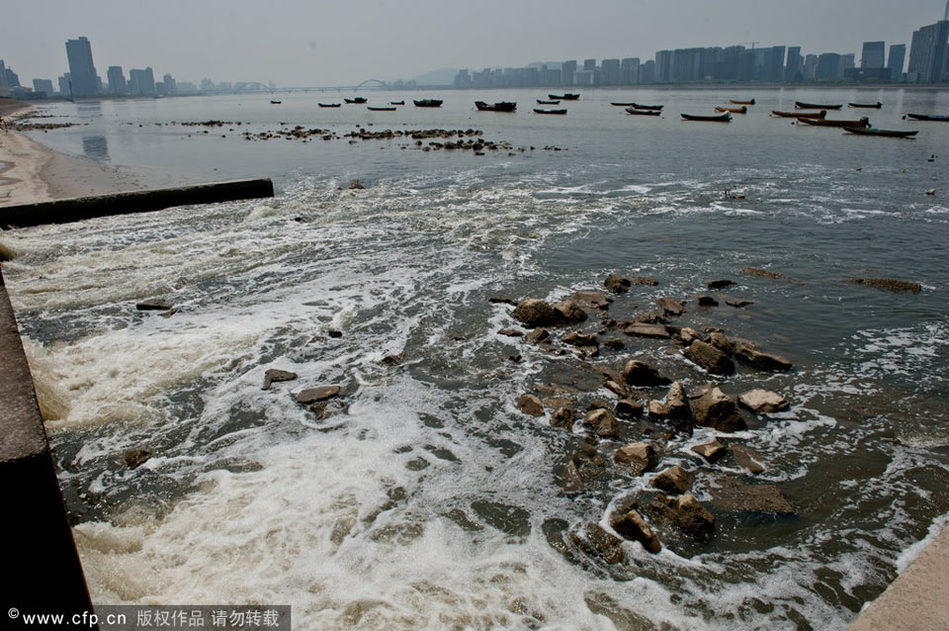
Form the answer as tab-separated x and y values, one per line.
432	502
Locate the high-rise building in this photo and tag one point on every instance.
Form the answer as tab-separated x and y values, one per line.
568	71
896	59
43	86
589	65
810	67
794	69
872	57
65	88
663	66
629	68
141	82
610	72
927	54
829	67
82	71
171	86
116	78
647	72
3	75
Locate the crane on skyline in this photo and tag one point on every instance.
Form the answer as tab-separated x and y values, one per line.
945	16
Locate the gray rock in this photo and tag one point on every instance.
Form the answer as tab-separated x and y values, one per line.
709	358
761	361
674	481
639	373
637	457
530	405
632	526
273	375
718	410
763	401
320	393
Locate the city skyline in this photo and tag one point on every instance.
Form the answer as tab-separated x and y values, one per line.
296	43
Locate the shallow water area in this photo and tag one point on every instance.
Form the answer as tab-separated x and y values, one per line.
431	501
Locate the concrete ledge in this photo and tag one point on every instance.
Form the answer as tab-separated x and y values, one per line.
918	600
42	570
79	208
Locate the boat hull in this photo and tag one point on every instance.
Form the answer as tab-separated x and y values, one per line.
538	110
883	133
813	106
724	118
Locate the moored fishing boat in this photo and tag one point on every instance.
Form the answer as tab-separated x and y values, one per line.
275	102
397	102
618	104
928	117
825	122
538	110
748	102
384	108
732	110
639	106
428	103
500	106
870	106
723	118
329	104
543	102
888	133
356	99
567	96
814	106
633	110
780	114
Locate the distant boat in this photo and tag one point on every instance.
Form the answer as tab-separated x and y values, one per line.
538	110
779	113
928	117
381	109
633	110
428	103
568	96
724	118
356	99
869	106
621	104
273	102
500	106
329	104
812	106
825	122
748	102
542	102
732	110
396	102
646	107
889	133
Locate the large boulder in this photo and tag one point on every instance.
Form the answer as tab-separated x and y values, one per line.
754	358
670	307
709	358
570	312
637	457
763	401
603	423
530	405
686	514
674	481
639	373
711	451
734	496
535	312
717	410
593	539
631	525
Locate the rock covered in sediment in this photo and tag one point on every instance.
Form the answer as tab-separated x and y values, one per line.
763	401
534	312
563	417
747	458
628	408
674	481
693	519
637	457
631	525
642	329
657	410
529	404
888	284
754	358
604	424
320	393
274	375
639	373
709	358
593	539
670	307
738	303
764	273
719	411
720	341
711	451
538	336
734	496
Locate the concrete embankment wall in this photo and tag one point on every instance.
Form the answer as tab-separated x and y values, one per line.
80	208
42	571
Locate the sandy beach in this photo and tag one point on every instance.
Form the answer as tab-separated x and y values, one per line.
30	172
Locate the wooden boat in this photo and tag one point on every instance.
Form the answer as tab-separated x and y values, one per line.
780	114
356	99
888	133
646	107
811	106
538	110
748	102
928	117
869	106
396	102
825	122
381	109
567	96
500	106
273	102
542	102
329	104
723	118
633	110
621	104
428	103
732	110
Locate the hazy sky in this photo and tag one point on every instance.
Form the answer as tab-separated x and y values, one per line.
314	42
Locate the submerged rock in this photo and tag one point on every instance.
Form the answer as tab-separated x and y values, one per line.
765	273
888	284
593	539
628	408
641	329
734	496
670	307
632	526
617	284
563	417
571	479
576	338
719	284
592	299
754	358
747	458
570	312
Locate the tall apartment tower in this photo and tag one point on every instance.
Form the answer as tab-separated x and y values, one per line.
928	53
81	69
116	80
794	70
896	60
872	57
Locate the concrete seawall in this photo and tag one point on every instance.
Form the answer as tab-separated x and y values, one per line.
42	570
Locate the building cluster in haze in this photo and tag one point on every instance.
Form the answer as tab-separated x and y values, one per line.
82	80
928	64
